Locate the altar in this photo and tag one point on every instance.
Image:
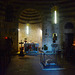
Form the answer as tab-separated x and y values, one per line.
49	61
31	48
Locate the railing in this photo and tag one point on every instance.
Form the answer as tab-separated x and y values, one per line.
48	58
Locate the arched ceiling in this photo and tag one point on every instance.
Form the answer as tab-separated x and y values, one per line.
31	16
66	8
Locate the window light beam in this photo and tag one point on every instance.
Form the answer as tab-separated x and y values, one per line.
55	17
27	29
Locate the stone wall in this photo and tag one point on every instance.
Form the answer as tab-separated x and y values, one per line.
10	29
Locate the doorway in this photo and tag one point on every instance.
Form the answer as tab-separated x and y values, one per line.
69	37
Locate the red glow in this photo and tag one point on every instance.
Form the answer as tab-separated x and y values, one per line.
73	43
6	37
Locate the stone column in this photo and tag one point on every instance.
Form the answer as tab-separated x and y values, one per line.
47	34
11	26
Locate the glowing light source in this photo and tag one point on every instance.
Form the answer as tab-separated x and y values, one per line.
27	29
41	32
6	37
18	29
73	43
55	17
54	34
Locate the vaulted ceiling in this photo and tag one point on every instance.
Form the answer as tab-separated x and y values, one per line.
33	11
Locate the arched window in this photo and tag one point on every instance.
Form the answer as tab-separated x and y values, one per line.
69	25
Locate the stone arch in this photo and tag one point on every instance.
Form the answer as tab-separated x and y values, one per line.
33	18
69	36
30	15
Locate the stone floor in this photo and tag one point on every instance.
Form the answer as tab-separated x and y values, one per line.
30	65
